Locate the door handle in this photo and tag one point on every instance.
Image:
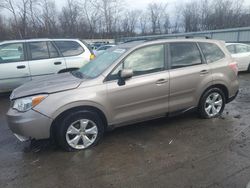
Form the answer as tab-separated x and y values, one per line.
57	63
21	67
204	72
161	81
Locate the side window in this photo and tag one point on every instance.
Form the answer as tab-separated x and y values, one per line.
69	48
146	60
241	48
38	50
53	53
231	49
184	55
11	53
211	52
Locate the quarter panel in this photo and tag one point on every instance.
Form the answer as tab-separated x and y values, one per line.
223	75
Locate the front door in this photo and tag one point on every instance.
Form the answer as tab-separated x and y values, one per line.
144	95
14	69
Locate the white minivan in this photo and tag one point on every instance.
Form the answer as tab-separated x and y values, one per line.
25	60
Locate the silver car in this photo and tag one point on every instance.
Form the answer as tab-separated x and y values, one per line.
25	60
129	83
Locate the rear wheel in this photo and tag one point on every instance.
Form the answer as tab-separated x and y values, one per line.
212	103
80	130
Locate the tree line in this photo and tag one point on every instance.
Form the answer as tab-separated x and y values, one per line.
112	19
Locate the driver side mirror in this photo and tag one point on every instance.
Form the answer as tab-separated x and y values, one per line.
124	75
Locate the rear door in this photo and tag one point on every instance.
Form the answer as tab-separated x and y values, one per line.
146	94
14	67
44	59
189	75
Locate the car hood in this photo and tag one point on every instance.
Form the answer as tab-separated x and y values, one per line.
50	84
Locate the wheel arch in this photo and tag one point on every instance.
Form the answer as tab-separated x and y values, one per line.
74	109
219	86
67	70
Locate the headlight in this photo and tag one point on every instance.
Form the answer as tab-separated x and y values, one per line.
27	103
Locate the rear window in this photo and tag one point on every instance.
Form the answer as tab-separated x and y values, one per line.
38	50
211	52
184	55
242	48
69	48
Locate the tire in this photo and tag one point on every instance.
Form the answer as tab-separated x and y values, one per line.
214	107
86	127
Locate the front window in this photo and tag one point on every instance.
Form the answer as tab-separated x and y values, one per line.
101	63
11	53
146	60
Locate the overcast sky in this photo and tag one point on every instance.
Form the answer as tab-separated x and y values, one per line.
137	4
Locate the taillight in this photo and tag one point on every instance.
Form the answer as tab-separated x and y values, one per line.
92	56
234	67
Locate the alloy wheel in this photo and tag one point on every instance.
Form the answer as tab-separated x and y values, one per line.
213	104
81	134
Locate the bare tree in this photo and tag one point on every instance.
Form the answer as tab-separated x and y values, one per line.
191	16
157	11
49	20
69	18
11	7
143	19
129	22
110	11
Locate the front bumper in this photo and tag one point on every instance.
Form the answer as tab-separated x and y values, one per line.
29	125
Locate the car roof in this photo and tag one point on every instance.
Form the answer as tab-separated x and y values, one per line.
133	44
37	40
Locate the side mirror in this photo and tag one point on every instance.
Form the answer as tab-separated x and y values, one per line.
124	75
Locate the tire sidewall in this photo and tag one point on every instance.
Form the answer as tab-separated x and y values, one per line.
202	104
73	117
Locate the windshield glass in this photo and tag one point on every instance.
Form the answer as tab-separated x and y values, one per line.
97	66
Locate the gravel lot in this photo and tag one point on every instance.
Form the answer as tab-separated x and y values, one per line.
177	152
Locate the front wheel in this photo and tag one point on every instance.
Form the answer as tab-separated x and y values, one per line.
212	103
80	130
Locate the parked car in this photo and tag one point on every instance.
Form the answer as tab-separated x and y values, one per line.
25	60
129	83
241	53
102	49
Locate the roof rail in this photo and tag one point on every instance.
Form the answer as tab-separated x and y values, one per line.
163	37
191	37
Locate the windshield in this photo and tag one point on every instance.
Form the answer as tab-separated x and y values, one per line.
101	63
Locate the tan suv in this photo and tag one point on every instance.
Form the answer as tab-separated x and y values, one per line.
129	83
